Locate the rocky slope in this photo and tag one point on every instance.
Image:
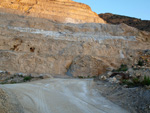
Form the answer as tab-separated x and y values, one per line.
35	45
134	22
129	84
66	11
9	103
32	47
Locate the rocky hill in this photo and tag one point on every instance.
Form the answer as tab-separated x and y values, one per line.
134	22
66	11
32	43
36	45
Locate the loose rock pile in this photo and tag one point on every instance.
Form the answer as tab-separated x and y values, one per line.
129	85
131	75
8	78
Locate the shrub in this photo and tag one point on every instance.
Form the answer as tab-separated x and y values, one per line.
128	82
13	82
146	81
134	82
80	77
27	78
123	67
141	63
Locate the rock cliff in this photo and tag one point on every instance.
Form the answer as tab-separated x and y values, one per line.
36	45
66	11
134	22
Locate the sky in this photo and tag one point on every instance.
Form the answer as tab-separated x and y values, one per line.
133	8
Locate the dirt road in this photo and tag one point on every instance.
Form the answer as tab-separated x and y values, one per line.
61	96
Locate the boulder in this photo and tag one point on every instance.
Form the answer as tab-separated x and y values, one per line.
86	66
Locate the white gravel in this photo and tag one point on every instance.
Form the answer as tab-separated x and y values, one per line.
69	36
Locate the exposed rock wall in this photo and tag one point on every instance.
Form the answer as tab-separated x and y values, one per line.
66	11
34	45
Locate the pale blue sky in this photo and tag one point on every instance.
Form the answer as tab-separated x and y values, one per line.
133	8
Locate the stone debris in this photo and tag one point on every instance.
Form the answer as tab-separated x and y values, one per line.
8	78
134	99
129	85
139	71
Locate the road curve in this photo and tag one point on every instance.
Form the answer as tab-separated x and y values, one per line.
61	96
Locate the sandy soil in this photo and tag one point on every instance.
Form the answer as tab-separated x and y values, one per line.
62	96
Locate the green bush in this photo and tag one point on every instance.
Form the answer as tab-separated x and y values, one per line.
127	82
141	63
27	78
146	81
123	67
13	82
134	82
80	77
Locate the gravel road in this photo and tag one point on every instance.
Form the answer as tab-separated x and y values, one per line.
61	96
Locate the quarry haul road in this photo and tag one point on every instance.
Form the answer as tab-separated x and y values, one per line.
61	96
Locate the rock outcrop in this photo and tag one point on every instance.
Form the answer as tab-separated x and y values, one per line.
66	11
134	22
35	45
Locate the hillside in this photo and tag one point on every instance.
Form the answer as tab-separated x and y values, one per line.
61	41
134	22
37	45
66	11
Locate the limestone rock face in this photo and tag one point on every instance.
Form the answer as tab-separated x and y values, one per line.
35	45
66	11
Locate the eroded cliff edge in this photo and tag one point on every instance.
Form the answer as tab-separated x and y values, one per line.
66	11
